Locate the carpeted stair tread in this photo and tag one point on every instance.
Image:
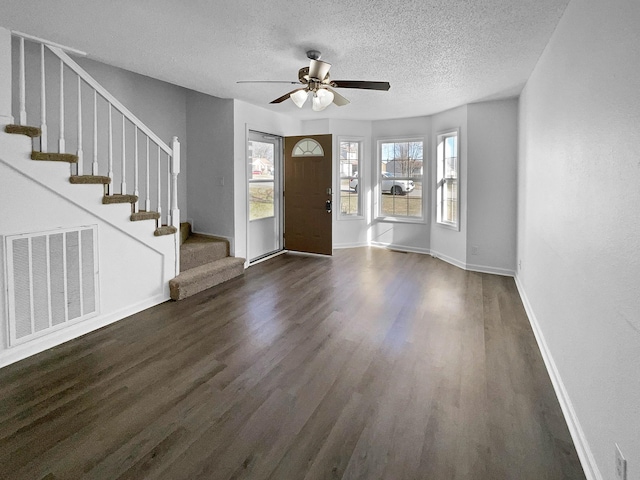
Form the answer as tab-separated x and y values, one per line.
23	130
205	276
144	215
185	231
109	199
200	249
89	180
54	157
165	230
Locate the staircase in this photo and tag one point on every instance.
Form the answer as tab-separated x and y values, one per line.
204	263
35	132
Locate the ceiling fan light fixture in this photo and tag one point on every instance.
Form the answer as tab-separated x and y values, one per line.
299	97
321	100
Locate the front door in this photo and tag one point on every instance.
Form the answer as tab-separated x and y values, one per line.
307	194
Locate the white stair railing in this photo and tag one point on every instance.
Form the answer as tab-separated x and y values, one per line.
44	57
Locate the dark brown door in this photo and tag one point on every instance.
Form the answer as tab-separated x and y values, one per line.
307	188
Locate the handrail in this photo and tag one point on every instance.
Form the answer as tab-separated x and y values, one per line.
109	98
26	36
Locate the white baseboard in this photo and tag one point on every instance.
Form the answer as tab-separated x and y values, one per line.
587	459
401	248
20	352
228	239
341	246
451	260
493	270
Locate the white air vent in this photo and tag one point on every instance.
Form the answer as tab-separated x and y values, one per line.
52	280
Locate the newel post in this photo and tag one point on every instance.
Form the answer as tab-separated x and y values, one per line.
175	170
5	78
175	212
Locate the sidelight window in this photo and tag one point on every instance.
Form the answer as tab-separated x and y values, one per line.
350	187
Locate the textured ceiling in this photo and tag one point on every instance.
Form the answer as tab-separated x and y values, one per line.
437	54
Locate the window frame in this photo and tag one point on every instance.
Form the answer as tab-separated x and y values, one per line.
440	204
275	181
377	187
361	176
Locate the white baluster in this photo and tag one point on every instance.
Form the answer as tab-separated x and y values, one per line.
94	167
123	185
80	152
136	192
22	86
168	190
175	170
110	152
159	187
43	103
147	201
61	143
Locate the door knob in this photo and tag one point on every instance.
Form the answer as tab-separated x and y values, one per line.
327	205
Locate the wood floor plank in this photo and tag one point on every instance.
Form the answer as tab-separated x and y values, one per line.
371	364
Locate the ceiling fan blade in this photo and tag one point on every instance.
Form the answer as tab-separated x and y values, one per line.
361	84
268	81
318	69
286	95
338	99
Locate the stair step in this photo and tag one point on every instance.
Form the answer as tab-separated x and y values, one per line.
200	249
109	199
185	231
89	179
54	157
205	276
23	130
165	230
143	215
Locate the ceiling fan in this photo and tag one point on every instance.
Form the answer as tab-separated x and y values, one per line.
317	83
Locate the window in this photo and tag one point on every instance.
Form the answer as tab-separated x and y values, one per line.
447	178
350	155
400	180
308	147
261	180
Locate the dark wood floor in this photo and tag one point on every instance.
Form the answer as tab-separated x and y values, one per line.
372	365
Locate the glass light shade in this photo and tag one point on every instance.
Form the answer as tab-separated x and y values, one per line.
322	99
299	97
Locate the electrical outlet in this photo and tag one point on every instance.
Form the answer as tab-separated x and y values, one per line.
621	465
474	250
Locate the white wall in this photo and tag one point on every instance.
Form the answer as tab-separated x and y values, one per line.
210	175
249	117
579	223
491	185
448	244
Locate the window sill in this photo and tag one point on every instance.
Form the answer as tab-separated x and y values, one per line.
408	220
350	218
449	226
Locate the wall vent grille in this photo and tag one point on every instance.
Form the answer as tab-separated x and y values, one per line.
52	280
